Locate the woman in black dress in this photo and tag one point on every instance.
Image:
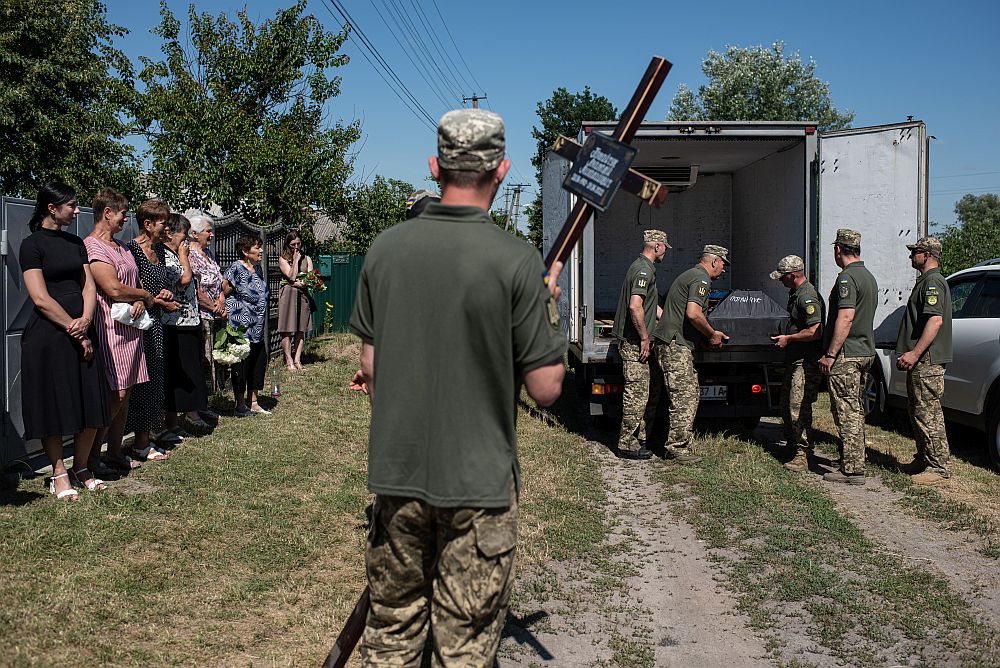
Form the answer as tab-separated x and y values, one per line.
62	380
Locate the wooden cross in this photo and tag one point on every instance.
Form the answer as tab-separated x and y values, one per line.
650	191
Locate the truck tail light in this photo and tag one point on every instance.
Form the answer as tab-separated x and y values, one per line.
810	129
756	389
606	388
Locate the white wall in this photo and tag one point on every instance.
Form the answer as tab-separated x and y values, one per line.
691	219
768	220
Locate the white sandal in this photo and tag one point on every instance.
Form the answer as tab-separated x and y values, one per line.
66	493
93	484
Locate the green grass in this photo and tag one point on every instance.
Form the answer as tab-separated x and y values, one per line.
970	502
786	551
246	547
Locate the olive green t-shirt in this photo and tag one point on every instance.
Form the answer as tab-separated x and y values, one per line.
456	311
805	309
693	285
854	288
639	280
930	296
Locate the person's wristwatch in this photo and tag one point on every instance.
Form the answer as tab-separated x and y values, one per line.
830	355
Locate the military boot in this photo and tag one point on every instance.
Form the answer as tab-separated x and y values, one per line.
910	468
928	477
799	463
845	478
681	456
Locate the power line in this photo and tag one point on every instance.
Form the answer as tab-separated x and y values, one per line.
956	176
449	64
413	105
457	50
965	191
421	68
422	51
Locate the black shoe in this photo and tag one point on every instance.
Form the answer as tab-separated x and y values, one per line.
641	453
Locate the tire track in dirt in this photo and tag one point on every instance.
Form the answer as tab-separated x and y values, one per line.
655	600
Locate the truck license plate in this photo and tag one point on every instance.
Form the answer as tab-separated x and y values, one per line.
712	392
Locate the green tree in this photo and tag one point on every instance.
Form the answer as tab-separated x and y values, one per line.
976	237
759	84
562	114
64	84
368	209
234	115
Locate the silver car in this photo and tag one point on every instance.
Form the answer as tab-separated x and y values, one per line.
972	379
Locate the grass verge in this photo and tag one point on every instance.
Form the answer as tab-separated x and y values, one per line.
799	567
970	501
246	547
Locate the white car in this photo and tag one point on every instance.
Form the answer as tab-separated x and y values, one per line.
972	379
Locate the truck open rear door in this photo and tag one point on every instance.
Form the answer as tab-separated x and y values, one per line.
874	180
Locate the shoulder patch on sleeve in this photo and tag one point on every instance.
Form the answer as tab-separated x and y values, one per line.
844	290
702	290
641	282
932	300
810	309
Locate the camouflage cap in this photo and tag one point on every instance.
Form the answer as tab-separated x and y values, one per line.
655	236
721	251
928	244
848	237
418	201
470	140
788	264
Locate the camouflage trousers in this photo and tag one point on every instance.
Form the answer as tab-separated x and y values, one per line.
847	381
924	387
801	386
642	394
439	577
681	381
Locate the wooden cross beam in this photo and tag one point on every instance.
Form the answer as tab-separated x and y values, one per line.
649	191
624	132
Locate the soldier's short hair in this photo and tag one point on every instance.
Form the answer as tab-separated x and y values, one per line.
463	178
848	249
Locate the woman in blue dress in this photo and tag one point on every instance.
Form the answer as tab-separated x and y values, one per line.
246	301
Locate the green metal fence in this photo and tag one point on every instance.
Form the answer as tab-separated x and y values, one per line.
340	272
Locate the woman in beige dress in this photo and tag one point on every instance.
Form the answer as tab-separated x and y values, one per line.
294	314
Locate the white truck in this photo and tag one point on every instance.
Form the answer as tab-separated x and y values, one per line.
762	189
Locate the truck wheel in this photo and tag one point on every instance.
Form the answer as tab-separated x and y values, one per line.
873	398
603	422
993	433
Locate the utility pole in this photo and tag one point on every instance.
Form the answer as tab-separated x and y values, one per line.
474	99
514	211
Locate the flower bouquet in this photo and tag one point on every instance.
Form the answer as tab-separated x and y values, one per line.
230	345
311	281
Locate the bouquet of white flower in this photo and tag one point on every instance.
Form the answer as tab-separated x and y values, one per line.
230	345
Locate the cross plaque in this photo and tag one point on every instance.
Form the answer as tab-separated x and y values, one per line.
632	181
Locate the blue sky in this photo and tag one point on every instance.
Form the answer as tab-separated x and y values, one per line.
935	61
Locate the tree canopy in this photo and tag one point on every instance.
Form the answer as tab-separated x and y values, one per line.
759	84
234	115
976	237
368	209
64	84
561	114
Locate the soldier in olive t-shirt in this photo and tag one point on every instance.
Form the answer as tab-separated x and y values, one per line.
454	318
849	352
923	349
639	365
694	285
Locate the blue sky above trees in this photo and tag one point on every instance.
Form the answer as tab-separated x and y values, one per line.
934	61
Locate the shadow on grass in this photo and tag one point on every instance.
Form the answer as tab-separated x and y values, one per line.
519	628
570	412
19	497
